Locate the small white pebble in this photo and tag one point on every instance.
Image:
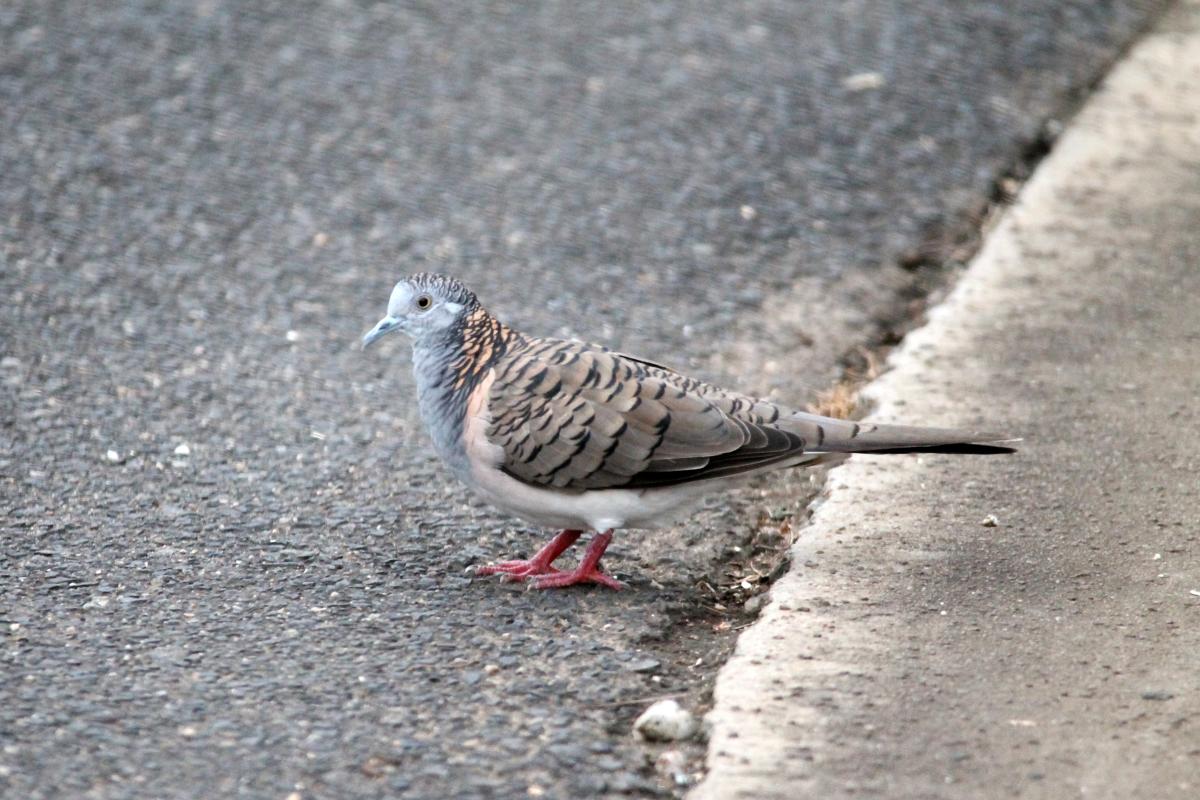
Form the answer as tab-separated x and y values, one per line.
292	336
1157	557
665	721
748	212
183	450
320	240
113	456
1195	592
990	521
187	730
863	81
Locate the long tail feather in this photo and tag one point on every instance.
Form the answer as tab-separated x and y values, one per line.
826	434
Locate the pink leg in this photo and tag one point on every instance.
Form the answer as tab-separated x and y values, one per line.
521	569
588	570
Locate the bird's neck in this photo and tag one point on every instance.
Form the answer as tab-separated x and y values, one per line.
447	369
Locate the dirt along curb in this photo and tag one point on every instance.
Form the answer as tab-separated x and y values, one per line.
1024	626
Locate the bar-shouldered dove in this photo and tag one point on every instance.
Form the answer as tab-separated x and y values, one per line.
579	437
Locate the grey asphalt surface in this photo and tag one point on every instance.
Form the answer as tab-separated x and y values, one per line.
260	592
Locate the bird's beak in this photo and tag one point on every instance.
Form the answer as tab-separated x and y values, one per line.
385	326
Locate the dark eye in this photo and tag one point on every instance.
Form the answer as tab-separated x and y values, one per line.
424	302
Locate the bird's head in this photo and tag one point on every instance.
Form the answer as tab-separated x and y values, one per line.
423	306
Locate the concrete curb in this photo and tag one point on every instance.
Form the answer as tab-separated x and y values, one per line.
957	627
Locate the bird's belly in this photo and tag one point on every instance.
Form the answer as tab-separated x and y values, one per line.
597	509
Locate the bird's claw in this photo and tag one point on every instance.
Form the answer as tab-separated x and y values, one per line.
576	576
517	570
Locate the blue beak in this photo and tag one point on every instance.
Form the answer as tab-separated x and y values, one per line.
385	326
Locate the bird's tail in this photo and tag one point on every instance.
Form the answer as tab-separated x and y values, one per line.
826	434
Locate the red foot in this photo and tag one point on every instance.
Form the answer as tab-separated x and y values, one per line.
588	570
521	569
560	579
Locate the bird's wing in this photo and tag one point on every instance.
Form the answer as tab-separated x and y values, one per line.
577	417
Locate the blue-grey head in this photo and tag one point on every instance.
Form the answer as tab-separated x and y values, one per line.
425	306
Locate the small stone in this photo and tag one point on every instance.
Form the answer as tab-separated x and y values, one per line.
755	604
665	721
183	450
863	81
292	336
1157	694
643	665
491	669
990	521
114	457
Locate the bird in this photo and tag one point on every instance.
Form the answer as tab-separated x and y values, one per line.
578	437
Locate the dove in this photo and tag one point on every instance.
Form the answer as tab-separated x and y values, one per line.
580	438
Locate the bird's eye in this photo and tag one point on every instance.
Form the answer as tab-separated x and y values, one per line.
424	302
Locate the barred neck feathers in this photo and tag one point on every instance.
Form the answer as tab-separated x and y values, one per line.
448	369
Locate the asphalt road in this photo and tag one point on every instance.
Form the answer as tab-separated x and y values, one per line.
230	565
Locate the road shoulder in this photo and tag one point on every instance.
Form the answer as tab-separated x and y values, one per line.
1016	626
